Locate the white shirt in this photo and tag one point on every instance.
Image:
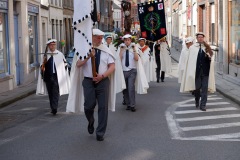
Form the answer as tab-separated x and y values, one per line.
132	62
105	60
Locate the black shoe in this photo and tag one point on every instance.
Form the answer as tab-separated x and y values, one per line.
203	109
124	103
100	138
54	111
133	109
157	80
128	108
197	104
162	80
91	127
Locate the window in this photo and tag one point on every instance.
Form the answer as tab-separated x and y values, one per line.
53	29
32	34
3	44
212	24
235	32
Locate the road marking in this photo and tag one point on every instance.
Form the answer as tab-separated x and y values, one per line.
179	133
212	126
219	137
208	110
208	117
208	104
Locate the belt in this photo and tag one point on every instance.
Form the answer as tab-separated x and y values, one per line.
88	78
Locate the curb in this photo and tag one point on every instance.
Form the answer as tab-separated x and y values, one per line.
17	98
228	96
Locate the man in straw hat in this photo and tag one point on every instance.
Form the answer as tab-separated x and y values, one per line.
183	57
55	78
97	89
199	73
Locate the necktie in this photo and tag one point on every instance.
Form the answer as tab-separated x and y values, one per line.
127	58
51	64
97	60
108	45
53	68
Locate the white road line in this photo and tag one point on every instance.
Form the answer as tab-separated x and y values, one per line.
219	137
208	117
212	126
208	110
214	98
208	104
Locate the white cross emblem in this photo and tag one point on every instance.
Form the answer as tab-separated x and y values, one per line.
141	10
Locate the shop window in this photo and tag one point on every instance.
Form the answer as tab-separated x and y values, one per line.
32	34
235	32
3	44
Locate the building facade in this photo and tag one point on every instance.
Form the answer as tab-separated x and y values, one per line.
25	27
219	20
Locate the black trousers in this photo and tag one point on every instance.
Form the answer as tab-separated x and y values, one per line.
158	69
53	90
93	94
201	83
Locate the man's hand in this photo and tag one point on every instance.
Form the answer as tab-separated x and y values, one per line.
98	78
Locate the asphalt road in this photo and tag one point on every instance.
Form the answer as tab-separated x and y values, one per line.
164	127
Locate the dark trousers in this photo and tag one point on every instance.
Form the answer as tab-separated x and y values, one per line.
129	92
201	83
96	93
53	90
158	69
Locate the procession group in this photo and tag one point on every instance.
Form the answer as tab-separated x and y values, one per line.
127	68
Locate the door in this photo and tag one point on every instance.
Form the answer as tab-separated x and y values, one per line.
16	40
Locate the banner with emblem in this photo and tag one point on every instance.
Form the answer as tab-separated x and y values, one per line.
152	20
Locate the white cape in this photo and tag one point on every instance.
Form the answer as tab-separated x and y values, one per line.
62	74
145	58
182	63
118	70
165	58
188	80
75	103
141	83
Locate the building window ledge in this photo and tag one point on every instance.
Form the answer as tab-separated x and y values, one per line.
6	78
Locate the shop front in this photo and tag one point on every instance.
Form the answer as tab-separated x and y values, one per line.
234	38
4	42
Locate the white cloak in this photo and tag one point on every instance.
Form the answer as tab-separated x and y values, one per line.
75	103
118	69
182	63
141	83
165	58
188	80
145	58
62	74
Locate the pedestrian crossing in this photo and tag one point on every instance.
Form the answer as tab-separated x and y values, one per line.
221	121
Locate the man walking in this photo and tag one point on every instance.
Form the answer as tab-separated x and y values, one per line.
54	79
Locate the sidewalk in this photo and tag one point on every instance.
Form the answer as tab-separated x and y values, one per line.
224	85
18	93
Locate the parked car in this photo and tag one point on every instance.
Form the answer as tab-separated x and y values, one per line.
69	59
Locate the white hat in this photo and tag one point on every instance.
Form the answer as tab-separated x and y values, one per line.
127	36
51	41
189	39
200	33
98	32
109	36
142	39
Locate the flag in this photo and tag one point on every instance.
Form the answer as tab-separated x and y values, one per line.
152	20
83	20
